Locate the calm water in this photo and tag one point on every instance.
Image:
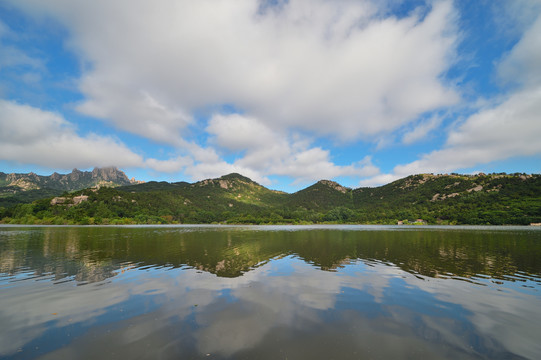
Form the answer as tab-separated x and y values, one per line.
340	292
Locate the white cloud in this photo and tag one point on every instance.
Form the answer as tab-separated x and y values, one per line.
269	152
173	165
511	128
34	136
498	131
345	69
12	56
322	66
523	63
206	170
421	130
507	130
238	132
379	179
138	112
514	17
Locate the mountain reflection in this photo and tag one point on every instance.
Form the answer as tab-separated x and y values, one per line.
94	254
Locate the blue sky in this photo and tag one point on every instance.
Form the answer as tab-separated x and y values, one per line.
285	92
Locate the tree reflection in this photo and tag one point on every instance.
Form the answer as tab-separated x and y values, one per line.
93	254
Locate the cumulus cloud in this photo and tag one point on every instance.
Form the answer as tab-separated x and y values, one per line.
34	136
498	131
320	68
238	132
349	70
510	129
173	165
138	112
268	151
325	67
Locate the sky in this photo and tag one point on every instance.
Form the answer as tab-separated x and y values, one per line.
287	93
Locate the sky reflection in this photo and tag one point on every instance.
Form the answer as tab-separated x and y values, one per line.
283	306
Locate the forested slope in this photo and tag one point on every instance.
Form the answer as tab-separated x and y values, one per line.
433	199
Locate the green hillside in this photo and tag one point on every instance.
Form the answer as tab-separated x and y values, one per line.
154	186
464	199
12	195
433	199
322	196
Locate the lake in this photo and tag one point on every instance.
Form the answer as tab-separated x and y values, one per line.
270	292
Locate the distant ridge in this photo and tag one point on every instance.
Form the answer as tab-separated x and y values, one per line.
75	180
233	198
28	187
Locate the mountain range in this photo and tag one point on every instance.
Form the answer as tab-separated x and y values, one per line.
424	198
23	188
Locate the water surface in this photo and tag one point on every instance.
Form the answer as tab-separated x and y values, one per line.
277	292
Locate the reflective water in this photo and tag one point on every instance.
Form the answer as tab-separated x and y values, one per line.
342	292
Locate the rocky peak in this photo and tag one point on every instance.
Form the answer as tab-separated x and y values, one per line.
75	174
334	185
75	180
227	181
33	176
11	177
109	174
236	176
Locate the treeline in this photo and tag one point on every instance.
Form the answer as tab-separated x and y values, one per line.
152	209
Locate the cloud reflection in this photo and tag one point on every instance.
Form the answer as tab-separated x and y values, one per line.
284	305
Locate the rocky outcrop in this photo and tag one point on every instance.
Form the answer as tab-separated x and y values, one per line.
63	200
75	175
334	185
59	200
79	199
477	188
110	174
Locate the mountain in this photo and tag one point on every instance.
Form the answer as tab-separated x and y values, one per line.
234	189
210	199
424	198
323	195
75	180
17	188
467	199
430	188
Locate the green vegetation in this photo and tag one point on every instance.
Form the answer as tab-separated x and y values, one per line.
434	199
11	195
